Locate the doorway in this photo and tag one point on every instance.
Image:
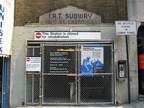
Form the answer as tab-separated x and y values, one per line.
140	44
71	73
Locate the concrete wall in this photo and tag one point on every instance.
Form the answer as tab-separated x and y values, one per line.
135	10
135	13
21	34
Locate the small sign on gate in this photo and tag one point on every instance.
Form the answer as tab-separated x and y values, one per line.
33	63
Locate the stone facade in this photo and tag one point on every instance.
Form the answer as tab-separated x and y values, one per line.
30	10
109	11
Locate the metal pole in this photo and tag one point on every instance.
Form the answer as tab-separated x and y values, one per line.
128	73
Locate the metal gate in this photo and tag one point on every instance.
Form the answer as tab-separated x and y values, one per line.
71	74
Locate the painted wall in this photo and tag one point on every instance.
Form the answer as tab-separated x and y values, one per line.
21	34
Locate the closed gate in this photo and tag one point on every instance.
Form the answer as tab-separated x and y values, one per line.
71	73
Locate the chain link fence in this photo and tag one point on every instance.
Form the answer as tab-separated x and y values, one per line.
61	80
33	79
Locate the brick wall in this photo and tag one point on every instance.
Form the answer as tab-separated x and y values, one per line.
29	10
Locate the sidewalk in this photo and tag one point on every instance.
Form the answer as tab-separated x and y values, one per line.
138	104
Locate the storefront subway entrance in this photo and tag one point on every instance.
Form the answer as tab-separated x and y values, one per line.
69	73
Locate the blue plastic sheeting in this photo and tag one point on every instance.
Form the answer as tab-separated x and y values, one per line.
4	88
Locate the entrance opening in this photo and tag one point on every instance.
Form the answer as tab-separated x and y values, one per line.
71	73
140	44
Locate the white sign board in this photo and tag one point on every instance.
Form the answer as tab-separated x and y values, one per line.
44	35
33	63
125	28
6	26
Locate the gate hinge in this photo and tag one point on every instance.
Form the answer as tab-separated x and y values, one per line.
40	53
114	95
40	96
114	50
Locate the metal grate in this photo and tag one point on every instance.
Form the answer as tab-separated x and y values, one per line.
59	59
32	88
96	89
33	79
33	52
56	89
61	80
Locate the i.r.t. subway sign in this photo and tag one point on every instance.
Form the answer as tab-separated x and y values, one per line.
70	18
70	15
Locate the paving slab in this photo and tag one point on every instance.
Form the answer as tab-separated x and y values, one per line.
137	104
